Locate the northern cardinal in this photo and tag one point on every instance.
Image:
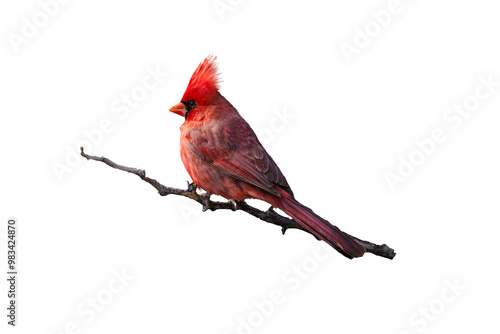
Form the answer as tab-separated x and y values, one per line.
223	156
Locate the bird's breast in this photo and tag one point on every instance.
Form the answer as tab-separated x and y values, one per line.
203	172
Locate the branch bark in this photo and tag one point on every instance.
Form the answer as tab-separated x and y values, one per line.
269	216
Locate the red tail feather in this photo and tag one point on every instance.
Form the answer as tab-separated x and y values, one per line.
321	228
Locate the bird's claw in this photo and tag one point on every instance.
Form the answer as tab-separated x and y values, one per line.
206	201
234	203
191	186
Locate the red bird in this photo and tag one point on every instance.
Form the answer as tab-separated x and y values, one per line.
223	156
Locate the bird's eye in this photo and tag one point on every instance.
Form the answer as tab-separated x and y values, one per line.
191	104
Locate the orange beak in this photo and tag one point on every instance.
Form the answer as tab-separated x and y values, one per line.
179	109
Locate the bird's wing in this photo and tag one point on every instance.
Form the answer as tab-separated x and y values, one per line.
239	154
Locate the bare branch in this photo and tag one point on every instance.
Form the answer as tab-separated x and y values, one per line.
269	216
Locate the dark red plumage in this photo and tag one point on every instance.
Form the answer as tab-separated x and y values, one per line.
223	156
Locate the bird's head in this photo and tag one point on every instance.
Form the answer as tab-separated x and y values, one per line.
202	89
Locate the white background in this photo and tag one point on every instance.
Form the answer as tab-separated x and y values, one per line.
199	272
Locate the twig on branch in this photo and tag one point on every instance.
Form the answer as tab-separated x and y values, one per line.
269	216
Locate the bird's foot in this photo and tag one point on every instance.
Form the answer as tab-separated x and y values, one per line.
191	187
234	203
206	201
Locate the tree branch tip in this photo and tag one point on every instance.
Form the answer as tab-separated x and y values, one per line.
83	154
